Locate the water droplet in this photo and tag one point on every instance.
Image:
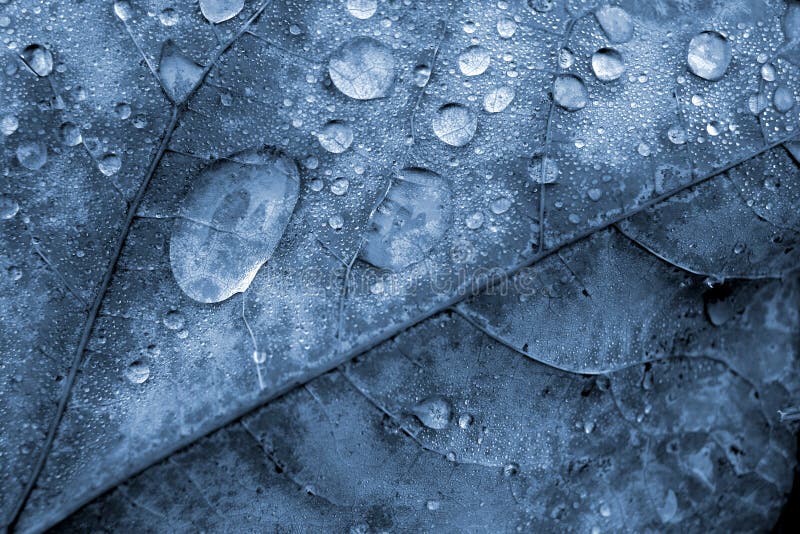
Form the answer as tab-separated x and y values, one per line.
510	469
178	72
336	222
643	149
14	272
217	11
38	59
422	73
676	134
475	220
432	505
231	221
548	175
8	207
465	421
757	103
570	93
109	164
173	320
498	99
768	73
168	16
615	22
714	128
500	206
607	64
9	124
362	9
541	6
336	137
316	185
594	194
32	155
455	124
122	9
137	372
340	186
410	221
363	69
70	134
783	99
506	27
259	356
709	55
433	412
474	61
565	58
122	110
605	510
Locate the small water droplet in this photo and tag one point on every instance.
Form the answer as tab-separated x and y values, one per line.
565	58
174	320
465	421
336	222
757	103
714	128
168	16
498	99
541	6
643	149
14	272
506	27
594	194
475	220
676	134
510	469
500	206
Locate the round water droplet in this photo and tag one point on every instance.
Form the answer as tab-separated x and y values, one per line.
607	64
500	206
676	134
32	155
340	186
363	69
336	137
783	99
714	128
570	93
38	59
9	124
122	9
8	207
594	194
475	220
174	320
548	175
615	22
316	185
70	134
362	9
510	469
122	110
137	372
474	61
109	164
455	124
643	149
217	11
168	17
506	27
709	55
14	273
433	412
336	222
768	73
498	99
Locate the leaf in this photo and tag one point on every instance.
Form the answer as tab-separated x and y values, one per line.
112	367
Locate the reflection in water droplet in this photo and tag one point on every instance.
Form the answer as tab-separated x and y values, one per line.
455	124
565	58
783	99
434	412
137	372
709	55
336	222
363	69
474	61
109	164
8	207
498	99
607	64
615	22
362	9
32	155
168	17
570	93
9	124
217	11
410	221
506	27
714	128
38	59
422	73
336	137
230	222
768	73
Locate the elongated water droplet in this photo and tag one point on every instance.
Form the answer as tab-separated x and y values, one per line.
709	55
434	412
231	221
783	99
570	93
217	11
9	124
39	59
363	69
178	72
455	124
410	221
615	22
122	9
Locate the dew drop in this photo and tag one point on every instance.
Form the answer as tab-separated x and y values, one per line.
455	124
548	175
475	220
9	124
340	186
109	164
422	73
8	207
541	6
168	17
768	73
607	64
316	185
217	11
174	320
465	421
498	99
362	9
474	61
570	93
783	99
122	110
137	372
565	58
510	469
32	155
70	134
336	137
500	206
506	27
757	103
336	222
643	149
676	134
615	22
709	55
14	273
122	9
714	128
434	412
39	59
363	69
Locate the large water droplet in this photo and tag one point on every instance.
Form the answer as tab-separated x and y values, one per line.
783	99
362	68
410	220
615	22
8	207
122	9
570	93
434	412
217	11
498	99
506	27
137	372
362	9
474	61
709	55
38	59
32	155
9	124
178	72
109	164
607	64
231	221
335	137
455	124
